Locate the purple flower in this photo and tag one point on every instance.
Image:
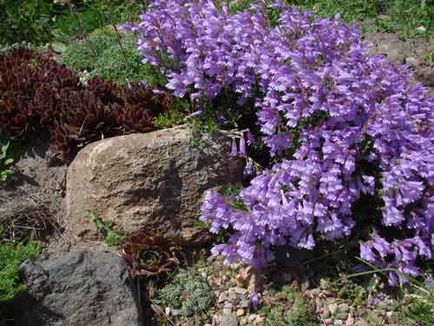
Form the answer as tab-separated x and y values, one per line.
234	148
341	125
255	300
242	151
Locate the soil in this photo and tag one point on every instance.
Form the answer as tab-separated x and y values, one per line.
31	201
416	53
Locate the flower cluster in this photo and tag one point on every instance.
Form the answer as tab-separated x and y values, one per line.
343	126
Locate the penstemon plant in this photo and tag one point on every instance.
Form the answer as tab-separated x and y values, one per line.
342	127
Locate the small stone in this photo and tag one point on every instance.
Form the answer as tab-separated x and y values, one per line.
241	312
318	304
328	321
244	304
362	311
374	317
333	307
350	321
239	290
259	319
227	308
167	311
243	322
222	297
325	312
412	61
338	322
341	315
361	322
252	317
389	315
176	312
305	284
229	320
314	292
327	293
344	307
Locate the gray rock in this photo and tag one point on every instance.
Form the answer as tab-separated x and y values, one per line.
80	288
229	320
138	179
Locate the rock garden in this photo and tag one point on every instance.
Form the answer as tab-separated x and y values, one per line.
198	162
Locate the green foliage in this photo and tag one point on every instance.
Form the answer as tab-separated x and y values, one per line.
111	56
112	238
11	257
168	119
83	54
26	20
299	314
5	161
419	310
42	21
186	292
89	15
289	309
122	62
347	289
400	16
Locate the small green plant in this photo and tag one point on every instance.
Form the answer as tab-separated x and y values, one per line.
11	257
186	292
168	119
288	308
112	238
347	289
111	55
415	302
5	161
83	54
419	309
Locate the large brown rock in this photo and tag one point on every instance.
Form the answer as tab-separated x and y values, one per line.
137	179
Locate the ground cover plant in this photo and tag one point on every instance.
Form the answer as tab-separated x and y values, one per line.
12	255
185	292
40	96
349	135
110	55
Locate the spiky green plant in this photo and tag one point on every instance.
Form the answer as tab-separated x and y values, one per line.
186	292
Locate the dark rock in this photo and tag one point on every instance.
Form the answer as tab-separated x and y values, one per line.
80	288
